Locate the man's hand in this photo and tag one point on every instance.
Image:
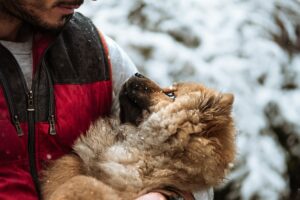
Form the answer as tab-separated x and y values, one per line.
152	196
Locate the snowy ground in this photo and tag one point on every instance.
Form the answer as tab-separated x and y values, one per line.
247	47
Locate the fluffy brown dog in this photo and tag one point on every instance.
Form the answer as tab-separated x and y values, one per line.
182	138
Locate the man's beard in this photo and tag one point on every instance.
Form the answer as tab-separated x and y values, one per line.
17	9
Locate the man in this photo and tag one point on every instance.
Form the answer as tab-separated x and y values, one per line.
56	78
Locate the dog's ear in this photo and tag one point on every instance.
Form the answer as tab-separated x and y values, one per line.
226	101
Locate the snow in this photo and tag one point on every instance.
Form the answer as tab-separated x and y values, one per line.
49	156
228	45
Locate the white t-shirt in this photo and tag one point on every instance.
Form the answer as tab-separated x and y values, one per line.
122	69
22	52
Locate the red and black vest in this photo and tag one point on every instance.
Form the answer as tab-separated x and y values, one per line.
72	87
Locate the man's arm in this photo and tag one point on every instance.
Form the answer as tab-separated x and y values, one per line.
122	69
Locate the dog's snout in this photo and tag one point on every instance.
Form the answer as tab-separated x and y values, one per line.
139	75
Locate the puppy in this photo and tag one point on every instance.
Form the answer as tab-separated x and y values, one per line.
181	137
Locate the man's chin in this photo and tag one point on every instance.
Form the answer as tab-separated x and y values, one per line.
52	27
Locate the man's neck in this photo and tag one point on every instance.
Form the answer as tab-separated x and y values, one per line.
12	28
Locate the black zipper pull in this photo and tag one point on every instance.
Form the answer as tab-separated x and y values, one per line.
52	130
18	126
30	103
51	118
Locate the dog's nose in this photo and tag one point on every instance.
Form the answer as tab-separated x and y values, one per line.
139	75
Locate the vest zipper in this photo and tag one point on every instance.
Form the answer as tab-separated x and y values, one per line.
31	128
12	110
51	117
31	138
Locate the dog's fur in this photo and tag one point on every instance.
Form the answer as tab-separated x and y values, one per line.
186	142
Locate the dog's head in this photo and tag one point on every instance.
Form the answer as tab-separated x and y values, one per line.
193	121
141	95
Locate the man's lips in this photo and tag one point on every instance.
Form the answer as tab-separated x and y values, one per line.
66	9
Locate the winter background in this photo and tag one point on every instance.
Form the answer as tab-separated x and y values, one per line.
248	47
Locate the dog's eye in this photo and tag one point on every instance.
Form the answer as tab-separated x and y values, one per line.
171	95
